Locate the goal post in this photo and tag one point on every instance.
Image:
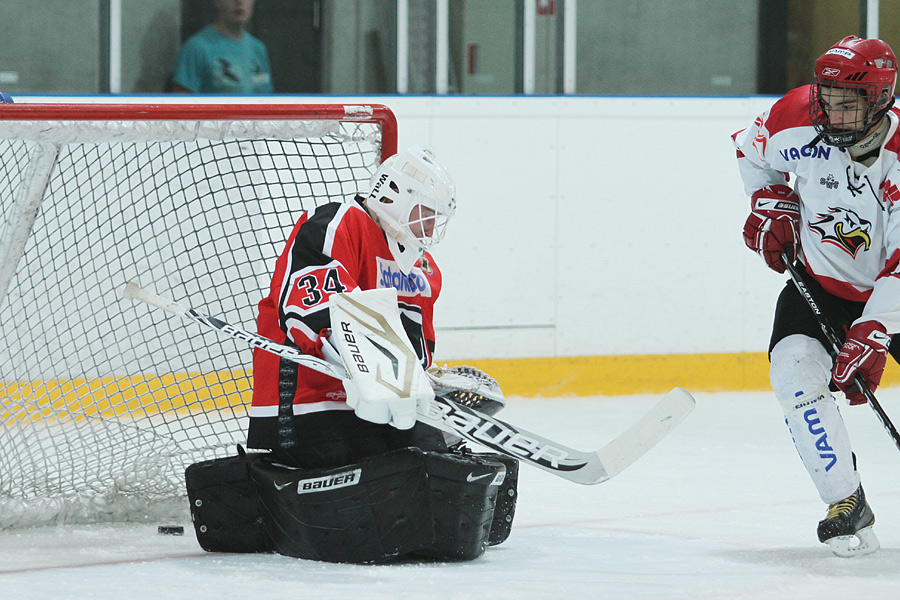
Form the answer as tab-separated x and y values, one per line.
103	402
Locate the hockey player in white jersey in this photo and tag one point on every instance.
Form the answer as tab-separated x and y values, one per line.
821	168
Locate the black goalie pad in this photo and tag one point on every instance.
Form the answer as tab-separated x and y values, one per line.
371	511
224	507
402	503
507	494
463	493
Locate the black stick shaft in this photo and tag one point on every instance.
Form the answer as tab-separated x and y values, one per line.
835	342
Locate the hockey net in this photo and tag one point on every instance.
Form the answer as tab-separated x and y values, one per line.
104	402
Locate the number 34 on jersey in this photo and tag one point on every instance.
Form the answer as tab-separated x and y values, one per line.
311	287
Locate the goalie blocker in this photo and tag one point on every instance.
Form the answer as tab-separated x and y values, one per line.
405	503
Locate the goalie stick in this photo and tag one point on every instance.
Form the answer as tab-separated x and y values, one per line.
835	342
586	468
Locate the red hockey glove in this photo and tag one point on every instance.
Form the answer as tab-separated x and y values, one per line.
773	225
864	352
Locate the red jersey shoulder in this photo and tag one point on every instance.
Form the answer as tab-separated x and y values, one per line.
890	184
326	255
893	143
344	232
792	110
357	217
351	220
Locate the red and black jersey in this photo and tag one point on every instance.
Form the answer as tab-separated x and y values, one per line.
333	248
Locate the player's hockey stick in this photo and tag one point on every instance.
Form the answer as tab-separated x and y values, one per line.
835	342
580	467
133	292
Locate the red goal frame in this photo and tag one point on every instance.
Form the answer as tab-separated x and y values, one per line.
348	113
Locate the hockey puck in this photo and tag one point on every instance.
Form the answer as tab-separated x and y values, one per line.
170	530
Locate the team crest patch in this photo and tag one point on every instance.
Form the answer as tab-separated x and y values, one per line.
843	228
425	265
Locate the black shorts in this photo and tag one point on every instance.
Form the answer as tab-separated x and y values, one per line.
794	316
338	437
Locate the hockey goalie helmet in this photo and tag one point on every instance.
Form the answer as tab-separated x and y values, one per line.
852	89
412	198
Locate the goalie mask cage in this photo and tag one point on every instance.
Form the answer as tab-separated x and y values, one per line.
104	402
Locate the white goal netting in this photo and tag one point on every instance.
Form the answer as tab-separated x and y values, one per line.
104	402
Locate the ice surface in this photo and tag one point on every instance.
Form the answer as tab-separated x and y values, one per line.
721	508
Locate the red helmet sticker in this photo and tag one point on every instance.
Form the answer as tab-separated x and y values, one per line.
842	52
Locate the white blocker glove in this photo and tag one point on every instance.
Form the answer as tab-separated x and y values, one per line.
398	411
386	384
390	409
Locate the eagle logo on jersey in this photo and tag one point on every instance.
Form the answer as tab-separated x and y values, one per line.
843	228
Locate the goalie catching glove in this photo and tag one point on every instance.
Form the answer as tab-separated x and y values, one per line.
773	225
467	386
386	382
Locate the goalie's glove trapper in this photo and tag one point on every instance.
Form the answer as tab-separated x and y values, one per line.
467	386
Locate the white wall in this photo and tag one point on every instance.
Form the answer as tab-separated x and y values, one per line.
594	226
588	225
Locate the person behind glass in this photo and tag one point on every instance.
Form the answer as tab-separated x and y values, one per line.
840	221
223	58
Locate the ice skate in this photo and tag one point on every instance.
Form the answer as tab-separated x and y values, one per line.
847	521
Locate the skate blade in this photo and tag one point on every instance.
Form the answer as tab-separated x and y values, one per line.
845	547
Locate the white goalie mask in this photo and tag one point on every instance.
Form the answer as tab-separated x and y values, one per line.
412	199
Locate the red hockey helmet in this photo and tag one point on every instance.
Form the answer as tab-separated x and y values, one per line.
852	68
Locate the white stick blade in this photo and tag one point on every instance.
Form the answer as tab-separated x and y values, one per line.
133	291
647	432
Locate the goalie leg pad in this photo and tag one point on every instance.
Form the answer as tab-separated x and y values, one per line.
371	511
505	509
463	494
224	507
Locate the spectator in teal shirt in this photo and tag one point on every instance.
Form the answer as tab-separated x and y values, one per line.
222	58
